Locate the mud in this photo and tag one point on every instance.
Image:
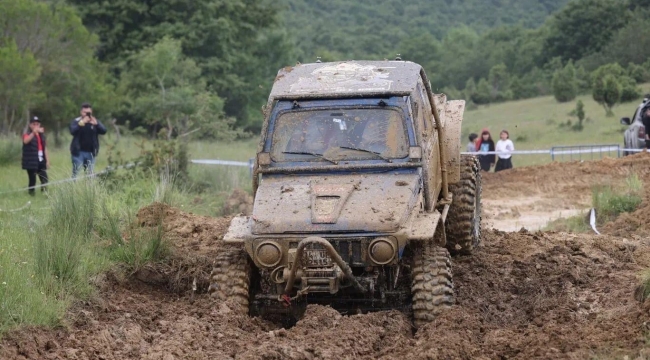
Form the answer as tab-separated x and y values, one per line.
531	197
523	295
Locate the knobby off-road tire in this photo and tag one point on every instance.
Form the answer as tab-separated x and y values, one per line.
432	287
464	219
230	280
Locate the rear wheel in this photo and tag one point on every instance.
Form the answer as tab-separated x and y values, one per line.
432	287
230	279
463	223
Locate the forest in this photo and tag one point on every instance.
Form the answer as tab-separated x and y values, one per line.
170	68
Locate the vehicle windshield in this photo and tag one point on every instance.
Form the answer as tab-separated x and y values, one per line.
339	134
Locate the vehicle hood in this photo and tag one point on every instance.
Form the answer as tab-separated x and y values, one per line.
334	203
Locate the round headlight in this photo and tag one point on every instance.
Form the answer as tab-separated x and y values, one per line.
381	251
268	254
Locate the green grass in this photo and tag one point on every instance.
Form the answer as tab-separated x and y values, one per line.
535	124
54	243
49	254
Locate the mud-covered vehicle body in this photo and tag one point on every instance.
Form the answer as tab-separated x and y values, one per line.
359	189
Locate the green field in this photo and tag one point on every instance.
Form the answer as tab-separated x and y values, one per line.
534	124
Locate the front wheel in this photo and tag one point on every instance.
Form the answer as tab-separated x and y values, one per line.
230	280
432	287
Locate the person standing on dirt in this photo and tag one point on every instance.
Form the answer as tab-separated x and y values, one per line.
485	144
504	149
85	132
35	157
471	145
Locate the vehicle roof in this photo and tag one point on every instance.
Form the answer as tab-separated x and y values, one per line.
346	79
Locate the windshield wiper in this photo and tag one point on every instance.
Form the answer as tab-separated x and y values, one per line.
368	151
321	156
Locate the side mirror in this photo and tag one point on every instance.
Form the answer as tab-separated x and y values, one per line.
625	121
264	159
415	153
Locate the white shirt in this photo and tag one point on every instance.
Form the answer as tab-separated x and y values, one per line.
504	147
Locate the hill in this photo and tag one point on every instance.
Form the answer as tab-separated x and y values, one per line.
366	29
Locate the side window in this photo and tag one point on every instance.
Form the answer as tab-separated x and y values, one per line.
426	106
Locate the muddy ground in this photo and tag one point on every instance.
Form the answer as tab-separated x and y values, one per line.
523	295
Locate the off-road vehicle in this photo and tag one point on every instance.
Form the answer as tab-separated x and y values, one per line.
360	194
634	136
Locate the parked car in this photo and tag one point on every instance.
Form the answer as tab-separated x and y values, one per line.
634	136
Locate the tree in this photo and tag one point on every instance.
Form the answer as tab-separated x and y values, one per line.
583	27
54	36
611	85
483	93
607	92
237	44
580	114
565	84
18	76
167	90
499	81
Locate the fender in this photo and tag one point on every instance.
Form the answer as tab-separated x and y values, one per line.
454	118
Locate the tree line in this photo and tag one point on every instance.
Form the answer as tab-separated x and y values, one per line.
205	67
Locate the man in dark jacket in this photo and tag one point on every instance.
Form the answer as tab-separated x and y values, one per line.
35	157
85	132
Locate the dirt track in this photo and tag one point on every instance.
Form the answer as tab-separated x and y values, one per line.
523	295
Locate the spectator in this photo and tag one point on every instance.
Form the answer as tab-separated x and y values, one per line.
485	144
85	132
35	157
504	148
471	145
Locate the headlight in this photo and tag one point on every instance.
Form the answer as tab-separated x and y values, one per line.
381	251
268	254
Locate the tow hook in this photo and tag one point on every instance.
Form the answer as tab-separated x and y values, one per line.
333	255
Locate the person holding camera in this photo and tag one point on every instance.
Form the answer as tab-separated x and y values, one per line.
35	157
85	132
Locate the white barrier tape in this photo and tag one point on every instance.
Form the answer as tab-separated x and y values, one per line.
29	203
59	182
555	152
220	162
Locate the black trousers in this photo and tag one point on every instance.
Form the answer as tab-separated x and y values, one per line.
503	164
42	175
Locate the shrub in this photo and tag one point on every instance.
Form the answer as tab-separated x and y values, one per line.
10	151
565	84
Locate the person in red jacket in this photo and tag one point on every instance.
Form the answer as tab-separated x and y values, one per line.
485	144
35	157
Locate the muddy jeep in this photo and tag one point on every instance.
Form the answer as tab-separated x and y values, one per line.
360	196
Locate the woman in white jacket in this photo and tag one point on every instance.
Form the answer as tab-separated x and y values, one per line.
504	148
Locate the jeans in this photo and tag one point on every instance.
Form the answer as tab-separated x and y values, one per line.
85	159
42	175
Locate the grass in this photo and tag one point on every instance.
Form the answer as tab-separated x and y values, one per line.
55	243
49	255
535	124
609	202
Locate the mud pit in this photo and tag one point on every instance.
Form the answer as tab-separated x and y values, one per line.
524	295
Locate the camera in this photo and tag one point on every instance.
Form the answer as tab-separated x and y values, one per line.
88	113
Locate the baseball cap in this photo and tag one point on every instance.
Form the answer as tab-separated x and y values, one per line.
34	119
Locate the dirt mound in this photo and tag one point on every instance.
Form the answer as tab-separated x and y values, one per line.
195	242
635	224
522	295
531	197
239	202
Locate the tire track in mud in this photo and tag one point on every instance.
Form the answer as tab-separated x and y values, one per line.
522	295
